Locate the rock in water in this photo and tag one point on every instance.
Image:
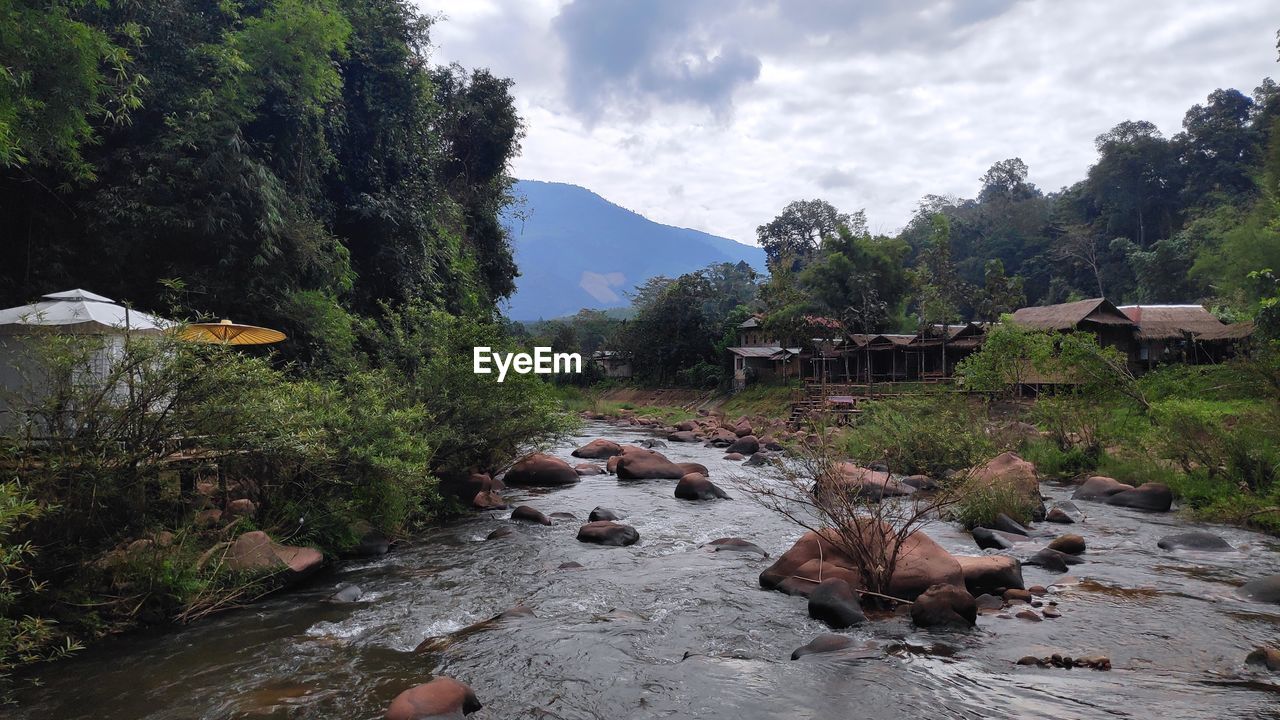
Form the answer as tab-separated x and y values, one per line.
745	445
604	514
736	545
541	470
944	606
823	644
989	539
1099	488
1202	541
648	466
696	486
1052	560
607	532
347	594
528	514
1152	497
255	551
1070	544
1004	523
683	436
441	698
1265	590
1264	657
836	604
989	573
598	449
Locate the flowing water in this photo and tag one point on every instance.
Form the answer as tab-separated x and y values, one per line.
665	628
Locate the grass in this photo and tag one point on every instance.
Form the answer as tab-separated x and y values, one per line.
979	506
766	400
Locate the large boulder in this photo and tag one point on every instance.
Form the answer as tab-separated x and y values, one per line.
256	552
921	563
1008	471
541	470
441	698
746	445
1265	590
1099	488
686	426
607	532
648	466
743	428
944	605
1201	541
1151	497
859	481
836	604
722	438
693	467
696	486
683	436
598	449
990	573
528	514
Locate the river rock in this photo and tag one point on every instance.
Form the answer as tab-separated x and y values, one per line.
1265	590
921	563
441	698
696	486
1152	497
736	545
874	485
989	539
989	573
683	436
746	445
500	533
1008	471
823	644
477	490
836	604
256	552
541	470
1264	657
920	482
988	603
588	469
743	428
1013	595
242	507
571	565
607	532
528	514
600	513
372	542
1064	513
693	467
1070	544
1202	541
1099	488
598	449
944	606
652	466
650	443
1052	560
1006	524
758	459
721	438
733	456
346	594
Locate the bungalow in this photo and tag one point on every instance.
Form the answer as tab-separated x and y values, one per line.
611	364
1184	333
1098	316
757	355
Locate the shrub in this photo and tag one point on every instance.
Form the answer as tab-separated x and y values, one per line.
927	433
979	506
1053	461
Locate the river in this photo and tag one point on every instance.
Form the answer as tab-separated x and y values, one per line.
610	640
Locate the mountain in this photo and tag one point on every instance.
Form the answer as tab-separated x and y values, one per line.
577	250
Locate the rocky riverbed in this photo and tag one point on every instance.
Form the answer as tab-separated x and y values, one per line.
671	625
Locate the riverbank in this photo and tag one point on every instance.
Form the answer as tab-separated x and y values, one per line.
668	627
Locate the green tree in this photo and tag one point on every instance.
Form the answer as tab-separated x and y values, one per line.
794	236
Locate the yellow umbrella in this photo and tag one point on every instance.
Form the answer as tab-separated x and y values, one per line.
229	333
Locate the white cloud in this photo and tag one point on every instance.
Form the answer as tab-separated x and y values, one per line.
869	105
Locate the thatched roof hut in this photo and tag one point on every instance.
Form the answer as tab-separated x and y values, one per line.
1070	316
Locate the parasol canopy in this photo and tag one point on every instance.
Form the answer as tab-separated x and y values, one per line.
79	312
229	333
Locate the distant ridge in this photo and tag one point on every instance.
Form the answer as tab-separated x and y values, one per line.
577	250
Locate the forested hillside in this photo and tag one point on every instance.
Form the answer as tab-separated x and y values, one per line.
288	162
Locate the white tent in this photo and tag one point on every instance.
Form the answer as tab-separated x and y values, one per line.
78	312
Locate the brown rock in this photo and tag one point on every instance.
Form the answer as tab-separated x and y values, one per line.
1071	544
653	466
440	698
944	606
598	449
607	532
242	507
1264	657
1099	488
588	469
1016	595
255	551
988	573
1028	615
528	514
541	470
734	456
1008	470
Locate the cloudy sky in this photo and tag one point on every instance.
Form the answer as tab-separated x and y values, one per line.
714	114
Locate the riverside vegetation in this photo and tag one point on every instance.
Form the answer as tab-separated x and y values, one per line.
296	164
